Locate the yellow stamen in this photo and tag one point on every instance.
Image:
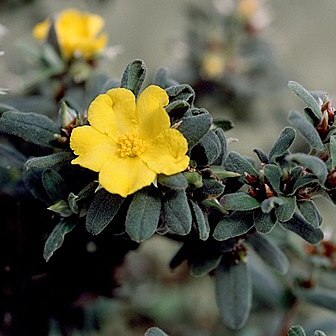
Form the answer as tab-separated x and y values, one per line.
131	145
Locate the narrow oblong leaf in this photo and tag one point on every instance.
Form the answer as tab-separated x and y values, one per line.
263	222
307	130
207	150
233	293
285	140
103	208
176	181
261	156
322	297
304	229
269	252
274	175
296	331
48	161
56	237
234	225
239	201
176	212
143	215
306	96
54	185
201	220
154	331
223	145
31	127
314	164
333	151
222	173
203	264
286	210
195	125
237	163
134	76
310	212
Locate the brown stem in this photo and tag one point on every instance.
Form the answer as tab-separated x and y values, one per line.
288	318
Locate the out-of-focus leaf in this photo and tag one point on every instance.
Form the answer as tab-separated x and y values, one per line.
154	331
269	252
321	297
296	331
233	293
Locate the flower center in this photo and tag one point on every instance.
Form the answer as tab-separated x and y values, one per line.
131	145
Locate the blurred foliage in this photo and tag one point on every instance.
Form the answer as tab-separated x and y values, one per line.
229	61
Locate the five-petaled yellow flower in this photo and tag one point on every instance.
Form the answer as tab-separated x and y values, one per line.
78	33
129	141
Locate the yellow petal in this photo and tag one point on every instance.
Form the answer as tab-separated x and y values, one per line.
113	113
166	154
40	31
93	147
152	117
124	176
95	24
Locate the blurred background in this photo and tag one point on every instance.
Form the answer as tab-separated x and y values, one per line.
301	37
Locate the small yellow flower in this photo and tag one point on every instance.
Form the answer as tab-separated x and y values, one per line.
247	8
129	141
78	33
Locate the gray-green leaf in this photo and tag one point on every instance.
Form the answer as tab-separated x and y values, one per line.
143	215
285	140
310	212
286	210
134	76
239	201
102	210
233	293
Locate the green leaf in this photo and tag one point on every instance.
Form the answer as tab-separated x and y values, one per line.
31	127
56	237
233	293
223	146
238	164
48	161
62	208
52	38
314	164
310	212
234	225
54	185
222	173
286	210
163	80
224	124
304	229
195	125
201	220
274	175
319	333
307	130
239	201
11	157
143	214
271	203
155	332
333	151
176	181
303	181
261	156
210	189
207	150
296	331
176	212
322	297
103	208
203	264
305	95
269	252
181	92
285	140
263	222
134	76
194	179
177	106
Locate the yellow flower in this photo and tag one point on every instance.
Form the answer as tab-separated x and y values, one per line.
78	33
129	141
